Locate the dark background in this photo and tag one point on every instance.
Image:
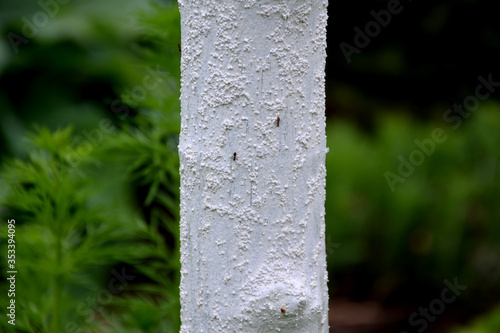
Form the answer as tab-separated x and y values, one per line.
428	56
433	227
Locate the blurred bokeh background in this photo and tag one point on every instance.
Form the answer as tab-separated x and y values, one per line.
89	117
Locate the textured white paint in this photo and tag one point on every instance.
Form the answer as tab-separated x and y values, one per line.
252	229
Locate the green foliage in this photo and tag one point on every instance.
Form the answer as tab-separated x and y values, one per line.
97	198
440	222
75	223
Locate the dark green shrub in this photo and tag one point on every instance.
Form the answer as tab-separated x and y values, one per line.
95	204
439	223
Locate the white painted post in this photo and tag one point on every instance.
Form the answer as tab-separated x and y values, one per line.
252	152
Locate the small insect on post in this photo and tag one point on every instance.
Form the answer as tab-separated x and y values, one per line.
252	222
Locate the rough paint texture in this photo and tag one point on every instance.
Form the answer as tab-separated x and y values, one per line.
252	192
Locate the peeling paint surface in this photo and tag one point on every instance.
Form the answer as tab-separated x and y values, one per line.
252	193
